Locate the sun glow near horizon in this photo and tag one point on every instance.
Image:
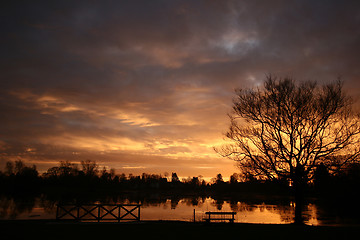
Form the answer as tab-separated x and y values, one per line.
118	137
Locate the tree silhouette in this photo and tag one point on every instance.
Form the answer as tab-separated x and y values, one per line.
174	177
286	129
90	168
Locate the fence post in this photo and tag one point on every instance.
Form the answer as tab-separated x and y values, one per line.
57	212
118	213
139	213
99	213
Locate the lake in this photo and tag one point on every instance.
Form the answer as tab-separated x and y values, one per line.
278	211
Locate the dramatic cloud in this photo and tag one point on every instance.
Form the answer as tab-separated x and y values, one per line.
144	86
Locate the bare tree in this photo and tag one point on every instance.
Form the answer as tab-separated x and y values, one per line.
90	168
286	129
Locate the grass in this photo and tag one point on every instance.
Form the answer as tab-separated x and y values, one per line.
41	229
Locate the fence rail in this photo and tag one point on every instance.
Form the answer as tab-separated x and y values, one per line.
99	212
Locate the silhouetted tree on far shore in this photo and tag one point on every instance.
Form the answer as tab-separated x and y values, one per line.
174	177
69	181
286	130
19	177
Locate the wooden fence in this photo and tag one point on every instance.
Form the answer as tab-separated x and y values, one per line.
99	212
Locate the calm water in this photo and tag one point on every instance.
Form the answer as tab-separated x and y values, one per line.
183	209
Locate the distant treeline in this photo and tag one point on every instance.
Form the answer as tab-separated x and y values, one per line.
17	178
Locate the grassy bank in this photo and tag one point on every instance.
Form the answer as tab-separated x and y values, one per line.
168	230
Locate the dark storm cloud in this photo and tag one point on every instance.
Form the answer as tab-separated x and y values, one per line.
120	79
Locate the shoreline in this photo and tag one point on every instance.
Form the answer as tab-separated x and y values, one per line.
53	229
112	222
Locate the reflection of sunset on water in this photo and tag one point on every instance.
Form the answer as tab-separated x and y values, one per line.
181	209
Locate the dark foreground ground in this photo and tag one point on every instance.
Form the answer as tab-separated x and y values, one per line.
169	230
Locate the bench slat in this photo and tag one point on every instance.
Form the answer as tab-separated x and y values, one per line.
220	213
220	219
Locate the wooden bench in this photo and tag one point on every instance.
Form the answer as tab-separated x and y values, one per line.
220	216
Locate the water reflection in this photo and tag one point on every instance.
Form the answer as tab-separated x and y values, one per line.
180	208
26	208
12	208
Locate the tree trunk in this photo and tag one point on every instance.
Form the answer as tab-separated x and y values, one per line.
299	204
299	185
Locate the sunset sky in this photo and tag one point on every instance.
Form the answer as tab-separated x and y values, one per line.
145	86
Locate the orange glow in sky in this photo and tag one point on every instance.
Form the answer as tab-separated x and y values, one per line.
143	86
